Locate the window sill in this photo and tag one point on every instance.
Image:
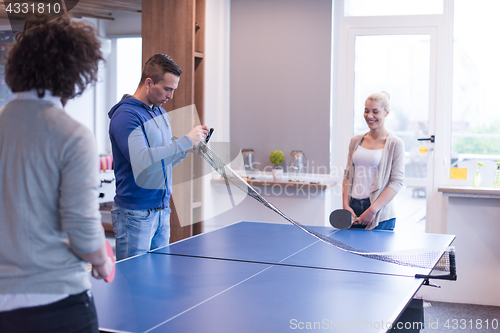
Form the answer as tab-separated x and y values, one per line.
470	192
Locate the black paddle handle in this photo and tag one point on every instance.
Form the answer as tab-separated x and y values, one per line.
209	134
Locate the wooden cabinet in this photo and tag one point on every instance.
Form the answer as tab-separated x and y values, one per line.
177	28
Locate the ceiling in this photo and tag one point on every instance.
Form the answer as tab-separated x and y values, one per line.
102	9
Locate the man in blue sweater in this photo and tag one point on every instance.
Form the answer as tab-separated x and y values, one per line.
144	154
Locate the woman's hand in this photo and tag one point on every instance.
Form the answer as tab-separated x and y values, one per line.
368	217
350	210
354	216
102	271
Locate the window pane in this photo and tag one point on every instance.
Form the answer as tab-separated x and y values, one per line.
392	7
129	65
398	64
476	69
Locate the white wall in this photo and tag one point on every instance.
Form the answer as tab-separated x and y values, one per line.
217	82
280	78
92	107
475	222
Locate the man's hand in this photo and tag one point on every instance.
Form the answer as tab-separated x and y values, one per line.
198	134
196	150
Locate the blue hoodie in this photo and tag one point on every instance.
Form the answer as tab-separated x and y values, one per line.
143	154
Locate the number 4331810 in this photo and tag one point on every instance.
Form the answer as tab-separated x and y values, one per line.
478	324
32	8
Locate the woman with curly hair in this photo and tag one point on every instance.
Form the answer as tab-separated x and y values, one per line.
49	222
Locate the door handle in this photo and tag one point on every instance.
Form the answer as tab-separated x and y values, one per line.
431	139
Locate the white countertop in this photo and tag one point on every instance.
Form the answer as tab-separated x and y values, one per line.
471	192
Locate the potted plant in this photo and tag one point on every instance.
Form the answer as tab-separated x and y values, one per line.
277	157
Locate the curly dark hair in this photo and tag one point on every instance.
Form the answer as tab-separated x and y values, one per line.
157	66
60	55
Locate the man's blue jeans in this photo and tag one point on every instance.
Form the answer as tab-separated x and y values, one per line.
139	231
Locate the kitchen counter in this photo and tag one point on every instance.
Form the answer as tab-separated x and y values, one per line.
473	216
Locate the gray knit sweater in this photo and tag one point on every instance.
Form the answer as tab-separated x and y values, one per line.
48	199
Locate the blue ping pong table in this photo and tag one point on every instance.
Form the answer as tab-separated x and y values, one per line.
263	277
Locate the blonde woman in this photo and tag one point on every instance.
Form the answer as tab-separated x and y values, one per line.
375	169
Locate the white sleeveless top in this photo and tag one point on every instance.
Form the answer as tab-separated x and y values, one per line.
366	162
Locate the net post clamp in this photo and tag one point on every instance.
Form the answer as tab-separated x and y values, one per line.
452	276
449	277
427	283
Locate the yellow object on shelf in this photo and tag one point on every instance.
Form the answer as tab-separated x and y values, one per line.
458	173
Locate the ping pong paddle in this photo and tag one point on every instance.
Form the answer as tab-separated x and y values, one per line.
111	275
342	219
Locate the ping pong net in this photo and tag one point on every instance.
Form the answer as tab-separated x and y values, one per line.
419	258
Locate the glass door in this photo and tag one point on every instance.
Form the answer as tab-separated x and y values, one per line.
406	50
401	64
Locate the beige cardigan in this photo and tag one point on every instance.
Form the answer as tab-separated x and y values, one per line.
390	173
